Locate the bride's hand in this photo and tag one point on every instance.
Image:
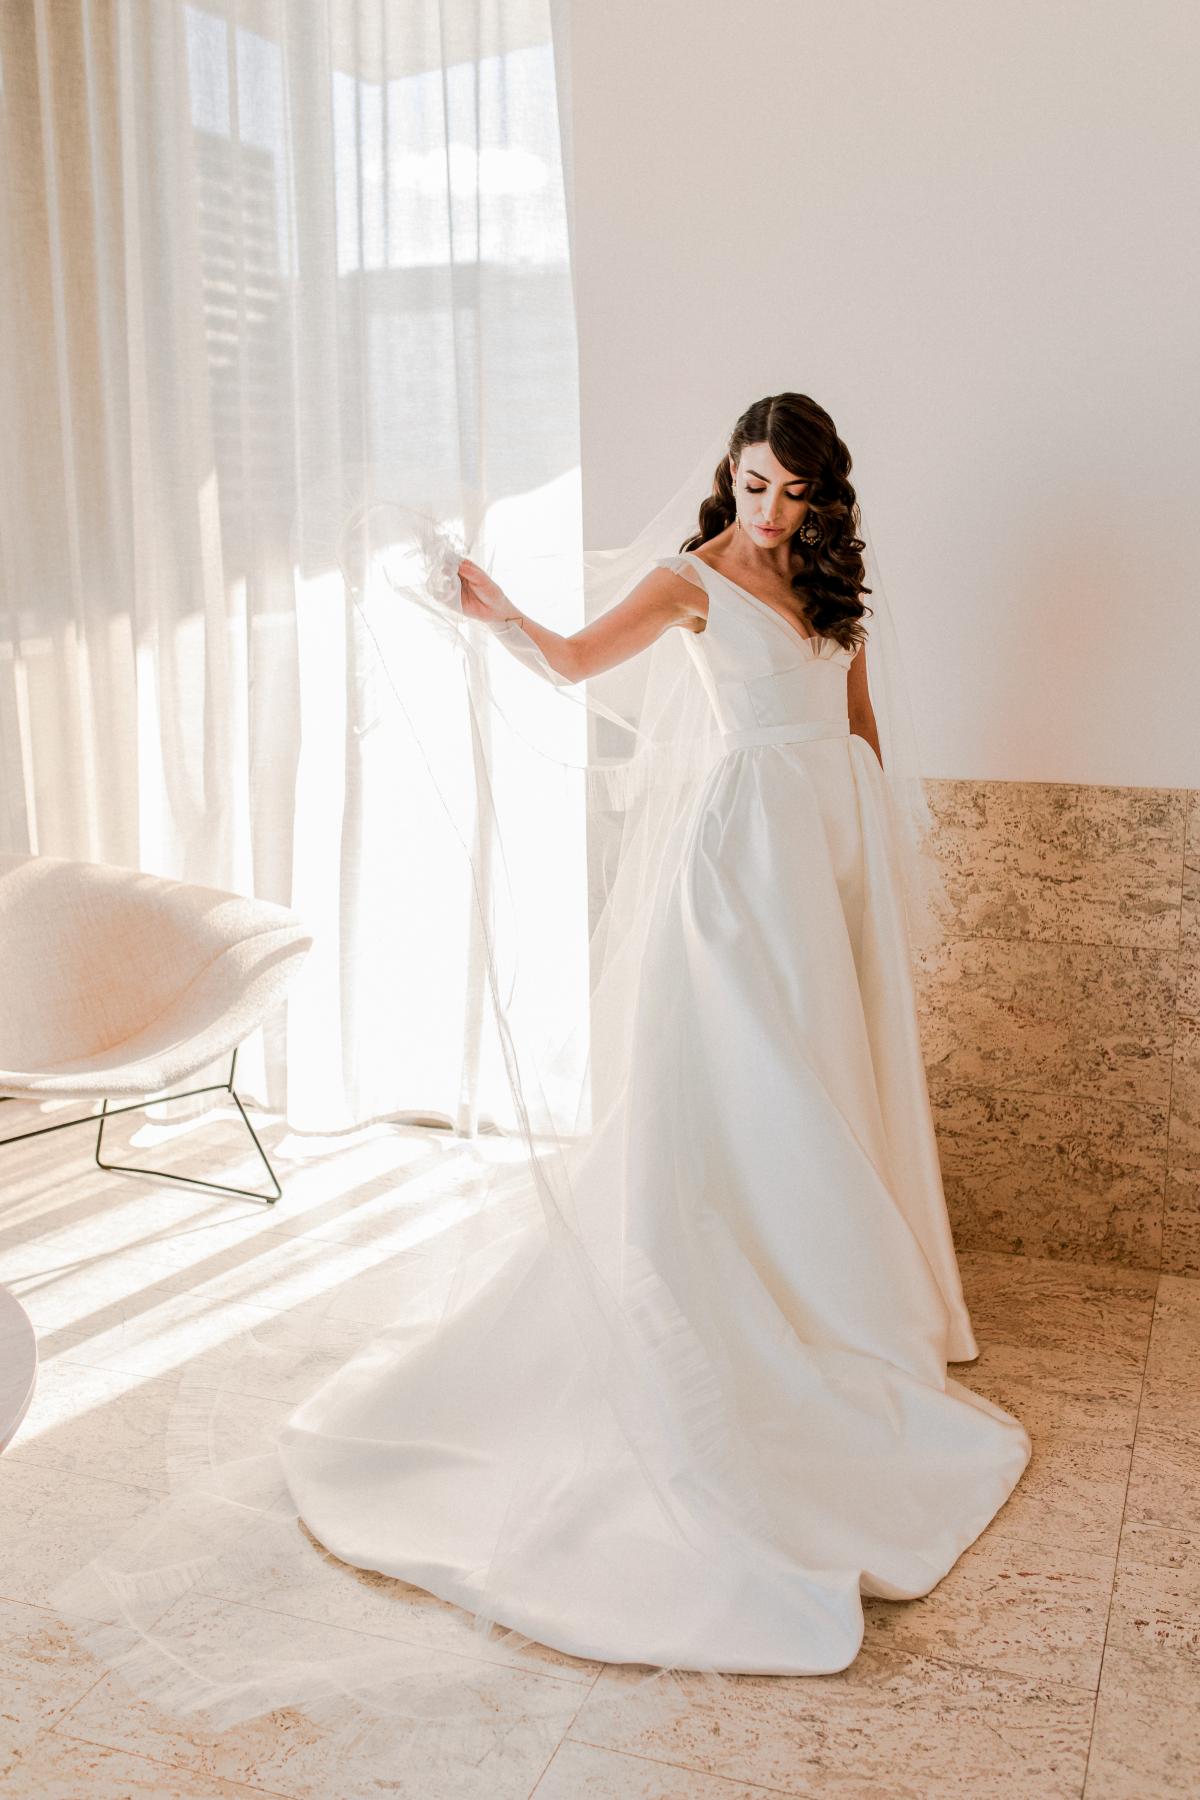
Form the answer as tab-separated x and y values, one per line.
482	598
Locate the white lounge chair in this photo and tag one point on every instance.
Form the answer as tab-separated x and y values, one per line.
115	984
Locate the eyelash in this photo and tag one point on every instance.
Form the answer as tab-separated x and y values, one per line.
758	490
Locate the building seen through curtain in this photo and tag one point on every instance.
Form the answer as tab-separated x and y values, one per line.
261	262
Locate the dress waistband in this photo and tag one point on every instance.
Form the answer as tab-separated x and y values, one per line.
786	733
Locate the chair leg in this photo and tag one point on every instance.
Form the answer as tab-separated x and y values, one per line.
216	1187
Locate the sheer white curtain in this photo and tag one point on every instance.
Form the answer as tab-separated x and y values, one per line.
248	250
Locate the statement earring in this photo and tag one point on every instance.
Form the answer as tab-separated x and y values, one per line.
810	531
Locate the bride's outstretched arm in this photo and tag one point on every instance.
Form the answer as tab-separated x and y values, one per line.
659	600
858	703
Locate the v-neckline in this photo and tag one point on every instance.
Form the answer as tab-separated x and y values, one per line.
805	637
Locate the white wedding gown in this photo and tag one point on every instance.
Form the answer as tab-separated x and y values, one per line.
770	1198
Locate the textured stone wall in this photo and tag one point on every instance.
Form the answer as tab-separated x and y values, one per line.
1061	1021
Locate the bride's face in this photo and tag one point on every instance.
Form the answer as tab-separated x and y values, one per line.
770	499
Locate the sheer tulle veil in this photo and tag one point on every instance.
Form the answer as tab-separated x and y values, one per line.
364	1655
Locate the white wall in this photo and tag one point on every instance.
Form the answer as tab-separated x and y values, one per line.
968	230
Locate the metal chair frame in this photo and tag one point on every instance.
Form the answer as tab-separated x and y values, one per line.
108	1112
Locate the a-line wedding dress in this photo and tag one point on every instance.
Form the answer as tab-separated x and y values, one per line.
677	1396
766	1196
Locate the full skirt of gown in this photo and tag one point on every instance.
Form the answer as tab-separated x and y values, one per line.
769	1193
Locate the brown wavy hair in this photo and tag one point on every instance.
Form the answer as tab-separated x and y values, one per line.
829	580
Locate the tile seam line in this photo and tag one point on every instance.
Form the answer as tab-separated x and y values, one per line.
1120	1540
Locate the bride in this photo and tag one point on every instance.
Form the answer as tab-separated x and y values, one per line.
699	1404
679	1396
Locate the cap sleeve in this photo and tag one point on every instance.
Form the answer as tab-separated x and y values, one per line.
681	565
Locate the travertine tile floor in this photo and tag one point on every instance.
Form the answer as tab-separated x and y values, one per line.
1060	1657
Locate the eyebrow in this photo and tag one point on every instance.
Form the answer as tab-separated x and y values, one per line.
788	483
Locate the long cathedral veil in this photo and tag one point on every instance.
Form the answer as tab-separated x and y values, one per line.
541	1226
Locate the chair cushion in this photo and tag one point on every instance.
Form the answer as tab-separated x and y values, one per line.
117	982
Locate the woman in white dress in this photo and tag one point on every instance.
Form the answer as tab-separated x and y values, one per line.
681	1397
692	1422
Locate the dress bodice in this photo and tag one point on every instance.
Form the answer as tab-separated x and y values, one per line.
760	671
